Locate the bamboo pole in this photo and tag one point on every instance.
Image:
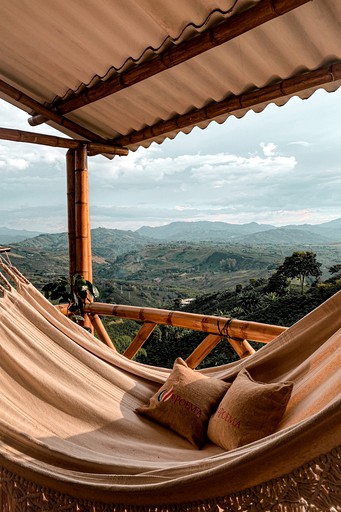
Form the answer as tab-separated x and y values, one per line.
234	328
96	322
82	221
27	101
82	214
79	229
202	350
142	336
70	173
101	332
233	27
242	347
60	142
287	87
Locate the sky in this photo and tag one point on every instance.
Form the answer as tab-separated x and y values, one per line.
281	166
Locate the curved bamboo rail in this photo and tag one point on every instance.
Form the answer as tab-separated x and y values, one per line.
237	332
207	323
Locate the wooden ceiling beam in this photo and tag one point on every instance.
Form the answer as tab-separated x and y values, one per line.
287	87
27	101
60	142
233	27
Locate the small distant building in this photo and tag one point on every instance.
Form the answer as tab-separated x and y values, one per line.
186	302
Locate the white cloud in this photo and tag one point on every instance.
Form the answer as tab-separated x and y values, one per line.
254	168
269	149
17	163
302	143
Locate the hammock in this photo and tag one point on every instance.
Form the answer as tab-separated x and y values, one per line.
70	438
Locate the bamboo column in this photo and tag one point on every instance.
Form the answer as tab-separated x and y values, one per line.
83	262
82	220
70	173
79	229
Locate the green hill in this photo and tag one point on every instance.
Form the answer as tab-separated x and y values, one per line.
132	269
225	279
201	231
251	233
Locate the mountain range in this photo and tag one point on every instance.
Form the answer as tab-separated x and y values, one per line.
154	266
201	231
251	233
11	236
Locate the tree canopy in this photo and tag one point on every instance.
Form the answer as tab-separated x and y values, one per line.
300	265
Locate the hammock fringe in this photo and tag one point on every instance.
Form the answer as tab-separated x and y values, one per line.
315	486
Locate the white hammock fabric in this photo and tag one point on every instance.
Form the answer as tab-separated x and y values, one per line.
70	438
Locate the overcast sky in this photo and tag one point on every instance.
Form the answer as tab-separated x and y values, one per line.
281	166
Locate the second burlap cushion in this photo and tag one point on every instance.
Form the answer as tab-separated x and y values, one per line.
185	402
249	411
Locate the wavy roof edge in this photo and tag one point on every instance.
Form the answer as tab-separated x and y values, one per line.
55	61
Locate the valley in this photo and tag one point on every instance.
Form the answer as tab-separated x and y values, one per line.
158	271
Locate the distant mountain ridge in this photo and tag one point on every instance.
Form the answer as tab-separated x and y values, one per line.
201	231
285	236
135	269
105	242
120	241
11	236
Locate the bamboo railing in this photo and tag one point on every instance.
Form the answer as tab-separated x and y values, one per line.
237	332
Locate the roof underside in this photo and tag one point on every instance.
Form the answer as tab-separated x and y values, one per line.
57	51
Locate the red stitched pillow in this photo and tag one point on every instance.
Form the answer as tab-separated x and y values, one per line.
185	402
249	411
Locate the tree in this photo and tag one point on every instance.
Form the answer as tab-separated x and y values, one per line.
249	300
335	269
300	265
278	283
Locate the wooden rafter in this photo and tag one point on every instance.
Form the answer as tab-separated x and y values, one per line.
233	27
27	101
287	87
60	142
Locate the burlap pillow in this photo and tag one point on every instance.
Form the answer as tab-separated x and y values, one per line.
249	411
185	402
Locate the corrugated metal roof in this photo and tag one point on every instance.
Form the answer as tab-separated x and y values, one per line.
51	48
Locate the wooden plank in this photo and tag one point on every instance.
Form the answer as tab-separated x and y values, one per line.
233	27
142	336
